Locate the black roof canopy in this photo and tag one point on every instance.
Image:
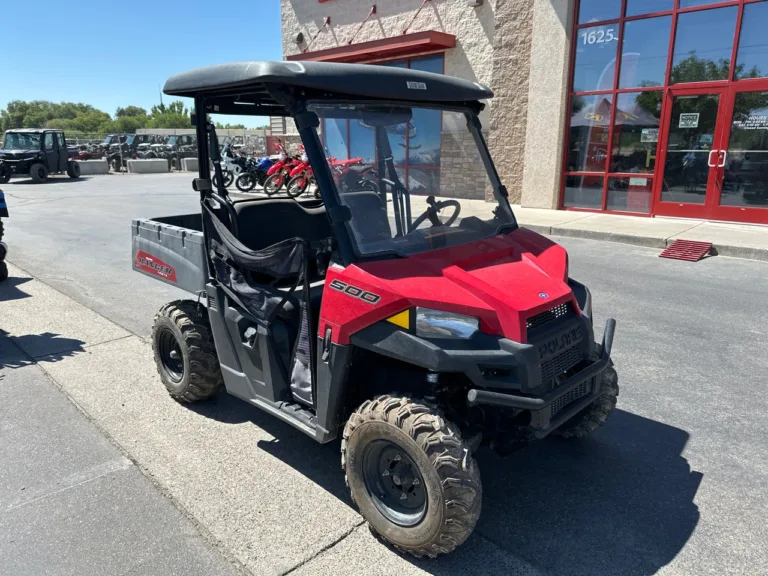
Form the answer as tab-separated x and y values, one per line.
33	130
243	87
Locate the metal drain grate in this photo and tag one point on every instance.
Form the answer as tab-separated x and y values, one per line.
580	390
687	250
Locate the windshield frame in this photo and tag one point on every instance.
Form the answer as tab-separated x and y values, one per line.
473	126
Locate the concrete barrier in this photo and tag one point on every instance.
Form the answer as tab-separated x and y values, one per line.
151	166
88	167
189	164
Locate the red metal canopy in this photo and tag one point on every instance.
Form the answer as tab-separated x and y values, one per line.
405	45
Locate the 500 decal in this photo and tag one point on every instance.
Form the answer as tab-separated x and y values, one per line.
355	292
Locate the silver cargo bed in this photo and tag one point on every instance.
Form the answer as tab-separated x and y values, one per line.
171	249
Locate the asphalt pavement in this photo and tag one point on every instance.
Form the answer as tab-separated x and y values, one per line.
676	482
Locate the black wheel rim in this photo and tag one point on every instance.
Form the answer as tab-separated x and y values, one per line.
394	483
170	355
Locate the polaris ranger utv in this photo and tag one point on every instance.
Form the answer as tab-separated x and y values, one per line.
35	153
417	329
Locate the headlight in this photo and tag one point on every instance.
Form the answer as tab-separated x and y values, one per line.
440	324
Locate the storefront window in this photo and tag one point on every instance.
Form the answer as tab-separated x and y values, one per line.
584	192
588	141
631	194
752	57
595	58
703	45
598	10
638	7
644	52
745	182
636	132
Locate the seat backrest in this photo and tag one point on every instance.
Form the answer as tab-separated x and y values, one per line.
266	221
371	222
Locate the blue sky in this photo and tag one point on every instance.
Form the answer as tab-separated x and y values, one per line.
109	54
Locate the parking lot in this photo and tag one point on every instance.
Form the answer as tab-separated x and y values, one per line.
676	483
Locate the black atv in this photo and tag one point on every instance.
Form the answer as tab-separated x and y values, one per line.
35	153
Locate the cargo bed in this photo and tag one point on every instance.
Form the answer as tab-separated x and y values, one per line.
171	249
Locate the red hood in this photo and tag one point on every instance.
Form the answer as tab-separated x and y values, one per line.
503	281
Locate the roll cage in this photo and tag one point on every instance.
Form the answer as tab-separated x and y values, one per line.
291	88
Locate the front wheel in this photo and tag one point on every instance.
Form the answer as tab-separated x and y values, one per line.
594	415
245	182
38	173
116	165
5	177
3	271
184	351
273	184
297	185
411	475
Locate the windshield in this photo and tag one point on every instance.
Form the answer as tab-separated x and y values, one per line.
129	140
171	140
413	178
21	141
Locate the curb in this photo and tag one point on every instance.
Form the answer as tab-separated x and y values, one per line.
729	250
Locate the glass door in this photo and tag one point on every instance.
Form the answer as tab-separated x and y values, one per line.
742	167
690	152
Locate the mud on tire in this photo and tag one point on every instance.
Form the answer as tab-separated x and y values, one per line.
594	415
453	491
193	372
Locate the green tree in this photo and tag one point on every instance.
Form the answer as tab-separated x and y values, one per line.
130	111
174	115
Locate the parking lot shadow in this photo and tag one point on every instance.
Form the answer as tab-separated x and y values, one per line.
9	289
19	351
619	502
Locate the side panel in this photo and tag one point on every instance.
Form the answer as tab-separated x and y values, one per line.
170	253
332	380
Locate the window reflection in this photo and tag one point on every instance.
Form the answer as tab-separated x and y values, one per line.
588	141
637	7
703	45
583	192
636	132
745	181
598	10
752	57
644	52
595	58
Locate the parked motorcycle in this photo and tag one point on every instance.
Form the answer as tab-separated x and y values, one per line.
232	164
256	172
279	174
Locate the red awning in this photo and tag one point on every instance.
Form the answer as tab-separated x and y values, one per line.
405	45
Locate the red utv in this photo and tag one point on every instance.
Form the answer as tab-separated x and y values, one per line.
415	330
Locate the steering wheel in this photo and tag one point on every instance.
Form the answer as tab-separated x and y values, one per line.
433	211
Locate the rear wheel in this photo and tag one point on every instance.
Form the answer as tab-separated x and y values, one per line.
38	173
594	415
184	351
73	170
115	164
297	185
245	182
411	475
2	229
3	271
5	177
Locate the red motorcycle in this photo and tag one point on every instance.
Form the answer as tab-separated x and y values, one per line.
347	174
279	173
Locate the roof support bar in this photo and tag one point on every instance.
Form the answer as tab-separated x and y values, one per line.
371	13
326	23
423	2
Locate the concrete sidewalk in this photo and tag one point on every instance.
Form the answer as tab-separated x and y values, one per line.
736	240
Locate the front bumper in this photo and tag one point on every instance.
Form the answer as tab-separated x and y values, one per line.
550	411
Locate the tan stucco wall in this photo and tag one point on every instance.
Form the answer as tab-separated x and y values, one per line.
510	73
473	28
547	102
